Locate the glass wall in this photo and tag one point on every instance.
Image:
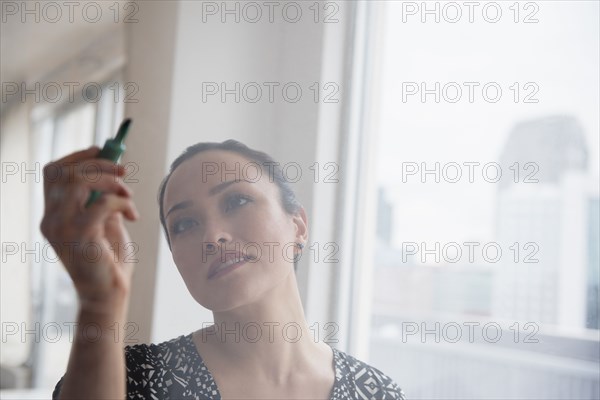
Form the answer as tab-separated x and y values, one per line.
485	281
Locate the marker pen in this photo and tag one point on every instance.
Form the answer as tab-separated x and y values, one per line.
112	150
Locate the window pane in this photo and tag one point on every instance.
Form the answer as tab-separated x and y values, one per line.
486	270
73	130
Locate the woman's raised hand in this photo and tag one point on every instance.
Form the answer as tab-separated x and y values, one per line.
91	242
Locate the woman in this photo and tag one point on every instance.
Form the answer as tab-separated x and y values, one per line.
235	230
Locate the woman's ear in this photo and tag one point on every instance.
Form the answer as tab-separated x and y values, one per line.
301	223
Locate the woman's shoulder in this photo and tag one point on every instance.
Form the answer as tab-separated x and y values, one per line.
157	351
169	354
362	380
169	369
155	369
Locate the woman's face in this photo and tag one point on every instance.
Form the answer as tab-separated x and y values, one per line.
204	205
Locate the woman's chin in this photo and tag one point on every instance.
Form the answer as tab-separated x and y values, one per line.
225	299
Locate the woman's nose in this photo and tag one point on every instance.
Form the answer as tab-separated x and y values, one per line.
211	246
215	235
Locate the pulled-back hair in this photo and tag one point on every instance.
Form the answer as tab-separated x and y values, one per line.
288	198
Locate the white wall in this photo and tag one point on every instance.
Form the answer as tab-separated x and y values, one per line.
150	60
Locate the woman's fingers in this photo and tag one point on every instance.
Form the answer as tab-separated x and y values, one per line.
110	203
80	171
68	184
80	155
54	170
72	193
92	242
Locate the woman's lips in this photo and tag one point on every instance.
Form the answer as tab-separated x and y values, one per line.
231	262
224	270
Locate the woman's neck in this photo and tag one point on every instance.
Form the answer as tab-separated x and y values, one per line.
271	335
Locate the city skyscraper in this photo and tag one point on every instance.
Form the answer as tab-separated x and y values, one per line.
555	144
542	224
384	217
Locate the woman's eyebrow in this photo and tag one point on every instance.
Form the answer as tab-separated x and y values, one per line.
215	190
222	186
179	206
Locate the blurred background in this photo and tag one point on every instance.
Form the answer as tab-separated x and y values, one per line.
446	154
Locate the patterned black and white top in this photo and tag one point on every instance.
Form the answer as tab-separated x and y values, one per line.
174	370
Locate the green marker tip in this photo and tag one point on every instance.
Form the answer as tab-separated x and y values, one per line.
122	132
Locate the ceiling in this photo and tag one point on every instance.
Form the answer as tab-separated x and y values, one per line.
30	50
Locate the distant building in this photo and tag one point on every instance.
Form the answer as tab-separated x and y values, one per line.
384	218
545	221
555	144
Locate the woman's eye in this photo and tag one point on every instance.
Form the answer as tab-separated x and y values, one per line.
182	225
235	201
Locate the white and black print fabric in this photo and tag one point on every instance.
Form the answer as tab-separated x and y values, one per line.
174	370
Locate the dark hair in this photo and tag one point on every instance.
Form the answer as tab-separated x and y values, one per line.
288	198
